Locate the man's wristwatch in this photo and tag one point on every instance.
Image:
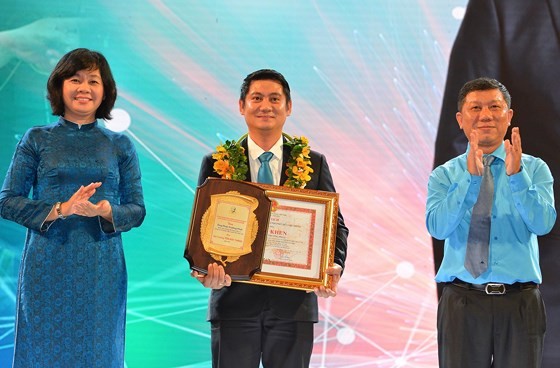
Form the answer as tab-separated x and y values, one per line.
59	211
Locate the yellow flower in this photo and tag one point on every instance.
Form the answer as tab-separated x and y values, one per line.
221	166
304	176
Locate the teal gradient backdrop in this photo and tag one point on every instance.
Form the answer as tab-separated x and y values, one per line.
367	80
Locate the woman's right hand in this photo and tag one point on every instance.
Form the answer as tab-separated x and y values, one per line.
68	208
82	195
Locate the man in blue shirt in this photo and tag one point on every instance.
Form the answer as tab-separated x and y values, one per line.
496	318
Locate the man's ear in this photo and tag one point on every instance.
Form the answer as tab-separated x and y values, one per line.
289	108
459	118
242	107
510	114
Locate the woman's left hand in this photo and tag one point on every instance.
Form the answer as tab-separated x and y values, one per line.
88	209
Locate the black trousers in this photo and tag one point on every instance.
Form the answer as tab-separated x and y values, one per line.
476	330
279	343
549	247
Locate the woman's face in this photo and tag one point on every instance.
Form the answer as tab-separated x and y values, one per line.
82	94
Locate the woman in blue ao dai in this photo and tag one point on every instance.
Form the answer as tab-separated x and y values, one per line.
75	186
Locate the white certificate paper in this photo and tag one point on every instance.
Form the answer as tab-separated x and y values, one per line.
294	239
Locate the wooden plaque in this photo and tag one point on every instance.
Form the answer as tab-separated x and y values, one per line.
228	226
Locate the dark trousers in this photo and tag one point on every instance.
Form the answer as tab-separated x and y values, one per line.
476	330
279	343
549	247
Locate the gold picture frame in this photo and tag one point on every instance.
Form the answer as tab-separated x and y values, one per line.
300	239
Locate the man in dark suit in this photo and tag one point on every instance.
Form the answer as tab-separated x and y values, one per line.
518	43
252	322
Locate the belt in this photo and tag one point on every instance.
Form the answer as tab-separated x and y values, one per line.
493	288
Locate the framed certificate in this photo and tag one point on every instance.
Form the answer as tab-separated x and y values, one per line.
300	239
264	234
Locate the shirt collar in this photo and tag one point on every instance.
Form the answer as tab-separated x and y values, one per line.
500	152
255	151
76	126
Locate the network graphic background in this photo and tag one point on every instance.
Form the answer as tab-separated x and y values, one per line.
367	80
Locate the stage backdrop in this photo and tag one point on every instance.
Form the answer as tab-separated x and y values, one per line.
367	80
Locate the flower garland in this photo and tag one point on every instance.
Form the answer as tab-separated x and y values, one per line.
231	162
299	163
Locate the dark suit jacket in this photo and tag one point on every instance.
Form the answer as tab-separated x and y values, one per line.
246	300
518	43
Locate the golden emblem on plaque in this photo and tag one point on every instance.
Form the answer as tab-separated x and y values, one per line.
229	226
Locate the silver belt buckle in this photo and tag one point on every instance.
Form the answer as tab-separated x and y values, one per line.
495	289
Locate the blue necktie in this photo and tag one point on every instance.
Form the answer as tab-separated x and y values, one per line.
265	175
476	259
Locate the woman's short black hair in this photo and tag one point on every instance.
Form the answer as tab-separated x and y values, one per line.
68	66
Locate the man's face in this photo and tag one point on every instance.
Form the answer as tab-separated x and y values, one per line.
488	114
265	107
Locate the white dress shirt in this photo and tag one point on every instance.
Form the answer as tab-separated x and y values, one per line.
275	162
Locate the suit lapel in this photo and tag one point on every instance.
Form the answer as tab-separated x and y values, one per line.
554	7
285	157
246	147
